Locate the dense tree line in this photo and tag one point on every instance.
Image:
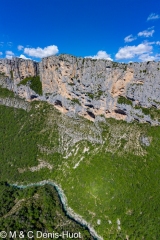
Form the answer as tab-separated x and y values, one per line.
38	209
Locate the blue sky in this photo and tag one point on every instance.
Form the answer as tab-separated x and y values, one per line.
121	30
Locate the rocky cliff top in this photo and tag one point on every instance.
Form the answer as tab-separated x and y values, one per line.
95	89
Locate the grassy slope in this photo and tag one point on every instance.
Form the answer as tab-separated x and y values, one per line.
118	179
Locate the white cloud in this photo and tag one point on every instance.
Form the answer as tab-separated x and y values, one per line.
20	47
24	57
129	52
41	52
129	38
1	53
149	43
158	42
153	16
101	55
1	44
147	57
9	54
9	44
146	33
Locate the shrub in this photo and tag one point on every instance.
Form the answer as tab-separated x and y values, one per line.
90	95
123	100
71	84
146	111
11	72
2	74
99	94
5	93
75	100
35	84
114	64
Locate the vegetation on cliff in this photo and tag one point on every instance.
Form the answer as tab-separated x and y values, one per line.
123	100
34	83
5	93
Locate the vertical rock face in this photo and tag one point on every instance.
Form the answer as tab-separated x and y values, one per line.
89	87
95	84
18	69
145	87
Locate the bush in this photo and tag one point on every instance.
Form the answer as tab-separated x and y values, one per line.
75	100
90	95
35	84
123	100
99	94
5	93
11	72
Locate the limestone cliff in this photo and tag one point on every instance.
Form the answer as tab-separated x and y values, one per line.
18	68
13	71
89	87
